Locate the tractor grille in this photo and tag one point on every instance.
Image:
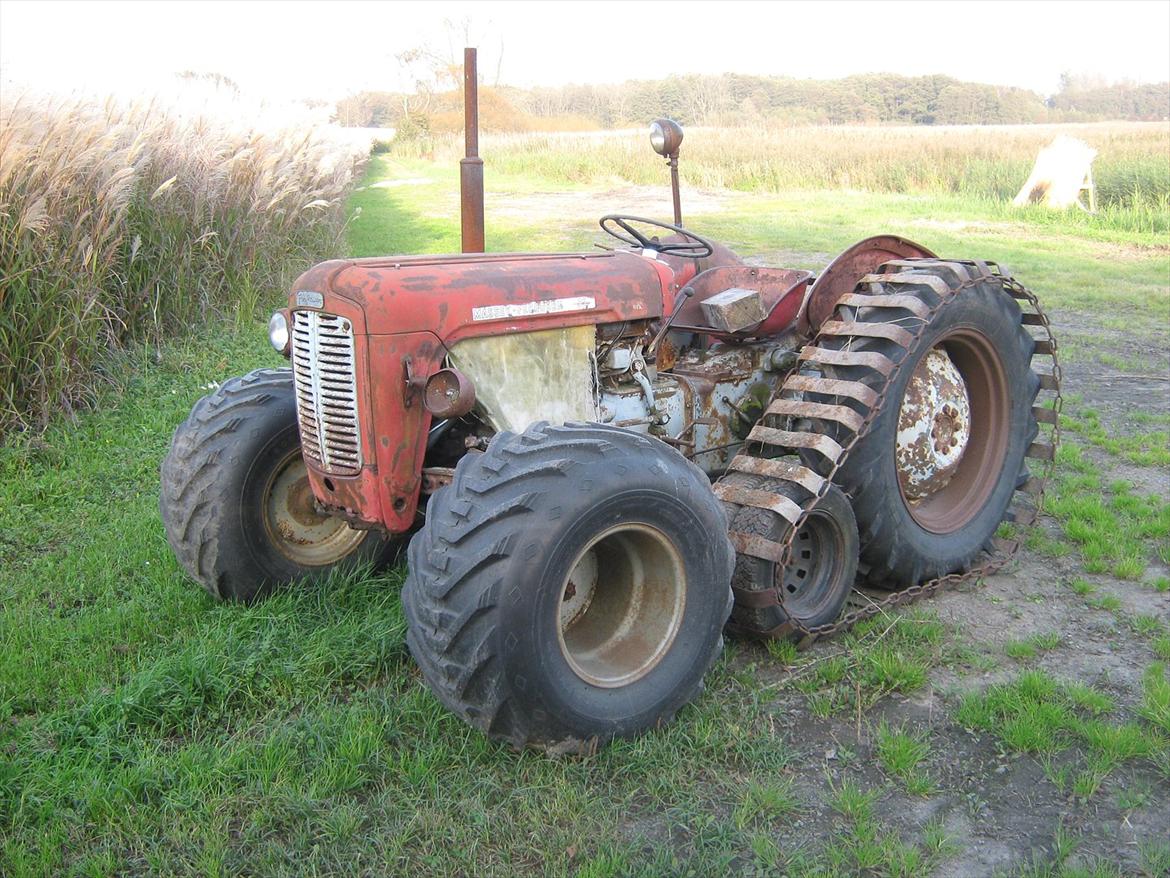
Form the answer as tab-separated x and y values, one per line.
326	383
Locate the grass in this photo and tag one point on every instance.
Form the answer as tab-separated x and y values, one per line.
1161	647
878	657
1039	714
901	754
1030	648
128	223
144	729
864	845
978	163
1064	862
1116	529
1155	706
1150	448
767	802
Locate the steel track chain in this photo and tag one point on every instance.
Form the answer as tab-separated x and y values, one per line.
880	290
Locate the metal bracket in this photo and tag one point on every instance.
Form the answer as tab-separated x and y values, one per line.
414	385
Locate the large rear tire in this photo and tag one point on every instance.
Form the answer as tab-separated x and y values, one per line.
570	586
236	502
931	481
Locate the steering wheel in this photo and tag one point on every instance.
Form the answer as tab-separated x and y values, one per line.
695	247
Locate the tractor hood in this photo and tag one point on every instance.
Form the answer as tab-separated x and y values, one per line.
457	297
394	320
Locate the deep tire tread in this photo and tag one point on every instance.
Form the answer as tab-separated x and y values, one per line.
190	473
453	616
885	552
196	501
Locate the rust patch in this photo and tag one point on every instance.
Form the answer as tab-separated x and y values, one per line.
934	426
436	477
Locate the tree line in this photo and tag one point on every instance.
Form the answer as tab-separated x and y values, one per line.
735	99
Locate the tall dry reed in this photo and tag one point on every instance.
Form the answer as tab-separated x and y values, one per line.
126	223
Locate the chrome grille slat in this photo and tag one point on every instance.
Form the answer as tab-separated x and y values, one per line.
324	369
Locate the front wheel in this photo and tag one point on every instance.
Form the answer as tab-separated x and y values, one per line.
236	501
569	587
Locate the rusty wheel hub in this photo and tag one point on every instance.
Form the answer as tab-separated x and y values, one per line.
295	526
934	426
953	431
621	605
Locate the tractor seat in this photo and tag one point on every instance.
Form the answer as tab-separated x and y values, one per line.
732	311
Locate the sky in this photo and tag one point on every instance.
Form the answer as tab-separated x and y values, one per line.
323	50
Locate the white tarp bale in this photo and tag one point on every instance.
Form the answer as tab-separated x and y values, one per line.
1060	173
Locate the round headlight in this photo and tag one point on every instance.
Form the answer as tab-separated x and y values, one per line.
657	137
278	332
665	136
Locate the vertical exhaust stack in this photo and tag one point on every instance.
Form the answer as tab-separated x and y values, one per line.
471	166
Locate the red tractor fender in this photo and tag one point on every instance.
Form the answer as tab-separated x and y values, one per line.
843	273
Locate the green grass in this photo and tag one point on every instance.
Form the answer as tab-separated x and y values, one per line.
1155	706
1059	259
1116	530
1042	715
146	730
1151	448
879	656
865	845
1161	647
901	754
984	166
1030	648
768	801
1064	862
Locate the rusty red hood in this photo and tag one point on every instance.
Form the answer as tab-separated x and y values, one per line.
456	297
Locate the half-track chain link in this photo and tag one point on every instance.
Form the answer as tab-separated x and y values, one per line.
779	431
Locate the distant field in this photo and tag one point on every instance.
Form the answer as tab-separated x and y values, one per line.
1132	170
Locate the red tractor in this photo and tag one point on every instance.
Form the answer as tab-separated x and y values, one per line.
604	456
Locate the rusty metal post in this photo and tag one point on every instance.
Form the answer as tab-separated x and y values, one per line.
471	167
673	159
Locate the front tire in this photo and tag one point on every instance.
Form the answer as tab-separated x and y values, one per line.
569	587
236	502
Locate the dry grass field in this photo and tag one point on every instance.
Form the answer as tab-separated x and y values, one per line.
127	223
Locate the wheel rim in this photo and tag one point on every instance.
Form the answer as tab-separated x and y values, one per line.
953	431
621	605
293	523
809	581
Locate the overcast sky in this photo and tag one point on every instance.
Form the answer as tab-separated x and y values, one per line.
326	50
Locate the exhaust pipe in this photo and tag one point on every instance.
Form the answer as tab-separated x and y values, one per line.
471	166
